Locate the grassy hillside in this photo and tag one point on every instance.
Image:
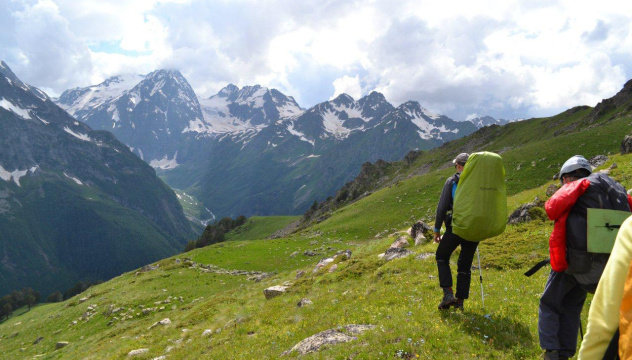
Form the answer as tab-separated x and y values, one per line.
218	313
398	297
260	227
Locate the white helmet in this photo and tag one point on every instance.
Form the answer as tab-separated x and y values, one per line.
574	163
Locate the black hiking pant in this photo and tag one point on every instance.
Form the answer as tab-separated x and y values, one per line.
448	244
559	314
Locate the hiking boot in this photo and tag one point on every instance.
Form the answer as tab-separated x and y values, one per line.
448	299
551	355
458	304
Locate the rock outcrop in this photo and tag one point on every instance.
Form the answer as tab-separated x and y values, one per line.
395	253
274	291
420	232
527	212
626	145
612	103
598	160
329	337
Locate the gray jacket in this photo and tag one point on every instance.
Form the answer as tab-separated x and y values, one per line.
444	208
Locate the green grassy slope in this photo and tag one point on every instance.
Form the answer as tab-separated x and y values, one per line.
398	297
260	227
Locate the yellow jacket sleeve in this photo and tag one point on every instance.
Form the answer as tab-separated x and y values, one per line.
603	317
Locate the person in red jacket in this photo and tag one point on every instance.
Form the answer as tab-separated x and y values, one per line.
575	271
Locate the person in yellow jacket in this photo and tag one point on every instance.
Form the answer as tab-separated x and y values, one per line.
603	317
625	320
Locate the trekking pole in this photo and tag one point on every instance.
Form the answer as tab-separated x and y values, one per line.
480	271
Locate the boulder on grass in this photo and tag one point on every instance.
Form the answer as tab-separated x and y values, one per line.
400	243
626	145
274	291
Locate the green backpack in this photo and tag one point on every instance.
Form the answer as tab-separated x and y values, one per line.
480	202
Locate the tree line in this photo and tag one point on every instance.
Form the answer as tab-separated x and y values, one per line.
17	299
215	233
29	297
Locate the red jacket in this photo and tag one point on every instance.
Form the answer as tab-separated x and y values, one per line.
558	208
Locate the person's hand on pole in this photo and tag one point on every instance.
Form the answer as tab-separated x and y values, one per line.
437	237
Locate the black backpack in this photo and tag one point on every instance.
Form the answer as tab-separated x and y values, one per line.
603	193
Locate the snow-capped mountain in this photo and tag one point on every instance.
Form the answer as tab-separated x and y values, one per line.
254	150
429	126
78	102
339	118
482	121
237	111
76	200
149	116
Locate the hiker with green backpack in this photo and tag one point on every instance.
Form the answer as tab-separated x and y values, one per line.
575	270
473	206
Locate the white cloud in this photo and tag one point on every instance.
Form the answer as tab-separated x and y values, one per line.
347	85
48	53
472	116
507	59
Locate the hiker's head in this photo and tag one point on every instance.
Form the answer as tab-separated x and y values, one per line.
575	168
460	160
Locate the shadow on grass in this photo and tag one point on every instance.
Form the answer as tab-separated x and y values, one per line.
499	332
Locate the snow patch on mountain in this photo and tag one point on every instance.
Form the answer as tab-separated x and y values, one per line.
42	120
97	95
16	174
334	125
165	163
74	179
21	112
352	112
300	135
79	136
223	112
289	111
254	99
430	114
217	118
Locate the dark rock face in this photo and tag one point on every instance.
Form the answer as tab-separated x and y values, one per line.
612	103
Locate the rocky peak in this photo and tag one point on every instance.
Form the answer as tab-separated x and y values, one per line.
414	110
6	71
410	106
166	83
606	105
373	98
343	100
228	90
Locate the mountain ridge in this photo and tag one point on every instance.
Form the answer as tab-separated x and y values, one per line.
256	135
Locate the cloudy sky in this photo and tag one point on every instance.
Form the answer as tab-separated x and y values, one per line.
507	59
